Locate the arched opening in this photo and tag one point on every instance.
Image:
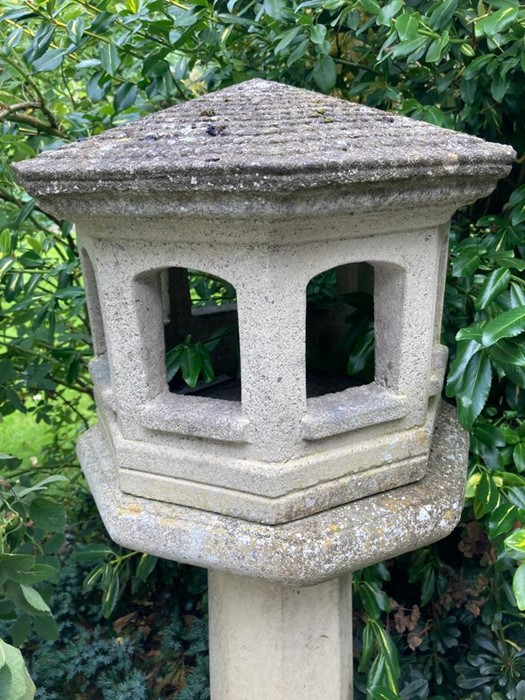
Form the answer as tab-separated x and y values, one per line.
340	334
96	321
201	332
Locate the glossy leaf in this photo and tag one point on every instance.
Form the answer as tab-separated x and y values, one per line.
325	73
508	324
519	456
502	519
515	544
518	586
125	96
111	594
48	514
474	391
34	600
110	58
492	287
146	566
465	351
486	497
495	22
46	627
509	351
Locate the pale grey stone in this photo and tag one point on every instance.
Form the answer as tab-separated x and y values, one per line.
302	552
266	186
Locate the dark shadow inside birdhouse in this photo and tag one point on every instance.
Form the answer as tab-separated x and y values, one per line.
340	338
201	332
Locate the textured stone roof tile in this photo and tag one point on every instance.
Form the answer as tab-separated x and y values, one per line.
261	136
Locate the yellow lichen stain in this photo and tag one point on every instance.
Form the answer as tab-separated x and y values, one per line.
334	528
130	510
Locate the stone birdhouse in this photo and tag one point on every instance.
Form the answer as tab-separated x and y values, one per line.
299	243
265	187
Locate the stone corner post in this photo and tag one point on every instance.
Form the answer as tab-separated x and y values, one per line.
283	482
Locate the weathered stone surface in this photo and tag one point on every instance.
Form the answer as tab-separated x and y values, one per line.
276	455
304	552
271	642
266	186
260	136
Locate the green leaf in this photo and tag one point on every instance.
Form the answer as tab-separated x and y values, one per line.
518	455
93	552
502	519
407	47
383	693
442	15
367	648
207	371
389	11
518	586
173	361
98	86
325	73
465	351
297	53
478	65
145	567
15	682
318	34
361	353
489	434
515	373
509	351
191	365
499	87
495	22
40	572
472	332
493	286
407	26
111	594
388	649
486	497
12	40
429	586
92	577
466	263
125	96
515	544
12	564
19	630
286	39
49	61
371	6
506	325
434	52
46	627
75	29
109	58
42	485
48	515
34	599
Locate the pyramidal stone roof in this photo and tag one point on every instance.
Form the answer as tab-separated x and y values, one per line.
261	136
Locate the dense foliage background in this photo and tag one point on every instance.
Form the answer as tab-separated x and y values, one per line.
442	622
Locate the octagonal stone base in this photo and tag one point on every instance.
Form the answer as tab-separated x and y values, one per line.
302	552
